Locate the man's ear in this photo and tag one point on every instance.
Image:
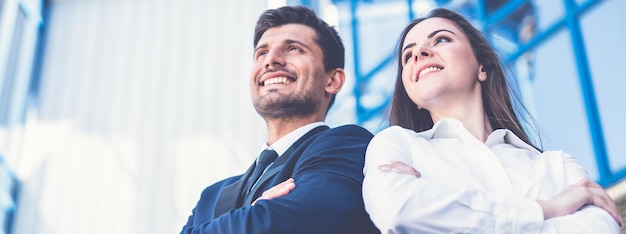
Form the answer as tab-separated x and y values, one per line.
482	74
335	81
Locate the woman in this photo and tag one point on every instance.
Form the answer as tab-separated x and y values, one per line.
456	158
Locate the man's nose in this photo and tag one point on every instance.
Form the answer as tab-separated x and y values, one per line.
274	58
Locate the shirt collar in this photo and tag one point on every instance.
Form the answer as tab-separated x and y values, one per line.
443	128
282	144
450	127
506	136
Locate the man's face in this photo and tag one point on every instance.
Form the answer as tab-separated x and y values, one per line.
288	78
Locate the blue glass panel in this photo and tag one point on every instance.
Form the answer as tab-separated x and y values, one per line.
604	33
558	101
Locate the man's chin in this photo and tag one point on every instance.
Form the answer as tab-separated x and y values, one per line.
286	110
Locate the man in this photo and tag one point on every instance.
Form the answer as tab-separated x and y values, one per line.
297	71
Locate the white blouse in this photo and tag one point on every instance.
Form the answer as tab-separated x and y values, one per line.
467	186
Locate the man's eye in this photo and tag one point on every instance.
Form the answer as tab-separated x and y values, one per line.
293	48
260	53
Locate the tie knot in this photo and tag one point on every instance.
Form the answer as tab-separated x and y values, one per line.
267	157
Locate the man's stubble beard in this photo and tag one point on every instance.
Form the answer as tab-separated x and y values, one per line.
288	107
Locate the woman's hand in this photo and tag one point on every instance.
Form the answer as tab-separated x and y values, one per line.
585	192
399	167
278	190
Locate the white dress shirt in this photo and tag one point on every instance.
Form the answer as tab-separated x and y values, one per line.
282	144
467	186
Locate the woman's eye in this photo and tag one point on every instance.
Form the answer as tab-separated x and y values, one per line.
407	57
442	39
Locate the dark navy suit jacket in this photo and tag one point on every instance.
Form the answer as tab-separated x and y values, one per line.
327	165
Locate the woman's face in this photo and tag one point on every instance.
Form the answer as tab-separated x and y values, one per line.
439	69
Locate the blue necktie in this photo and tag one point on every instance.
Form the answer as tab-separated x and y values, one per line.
265	159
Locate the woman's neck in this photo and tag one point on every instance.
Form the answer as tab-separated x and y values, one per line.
474	120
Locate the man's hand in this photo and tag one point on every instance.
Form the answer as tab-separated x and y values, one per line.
585	192
399	167
278	190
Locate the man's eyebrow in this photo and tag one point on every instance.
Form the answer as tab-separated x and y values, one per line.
260	46
287	42
291	41
431	35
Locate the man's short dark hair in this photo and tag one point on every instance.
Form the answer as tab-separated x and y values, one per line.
326	36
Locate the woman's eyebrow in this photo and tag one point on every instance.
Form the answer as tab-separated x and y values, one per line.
408	46
431	35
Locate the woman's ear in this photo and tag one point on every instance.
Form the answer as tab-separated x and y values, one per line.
482	74
335	81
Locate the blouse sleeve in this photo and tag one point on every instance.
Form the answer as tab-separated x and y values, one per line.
589	219
400	203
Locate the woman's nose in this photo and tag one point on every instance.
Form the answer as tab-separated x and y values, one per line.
421	52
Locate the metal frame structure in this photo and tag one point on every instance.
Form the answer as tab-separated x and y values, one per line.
574	12
20	21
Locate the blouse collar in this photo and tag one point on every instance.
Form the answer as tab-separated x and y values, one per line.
450	127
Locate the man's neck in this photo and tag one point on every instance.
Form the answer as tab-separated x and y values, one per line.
277	128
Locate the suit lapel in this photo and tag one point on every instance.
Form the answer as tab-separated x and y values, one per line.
279	164
228	199
261	183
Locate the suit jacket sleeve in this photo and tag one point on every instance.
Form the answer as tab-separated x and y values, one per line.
327	198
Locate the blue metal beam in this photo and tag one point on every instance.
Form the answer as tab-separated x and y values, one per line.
481	13
502	12
410	6
536	40
588	92
544	35
359	79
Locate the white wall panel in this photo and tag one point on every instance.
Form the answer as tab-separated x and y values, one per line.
143	104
